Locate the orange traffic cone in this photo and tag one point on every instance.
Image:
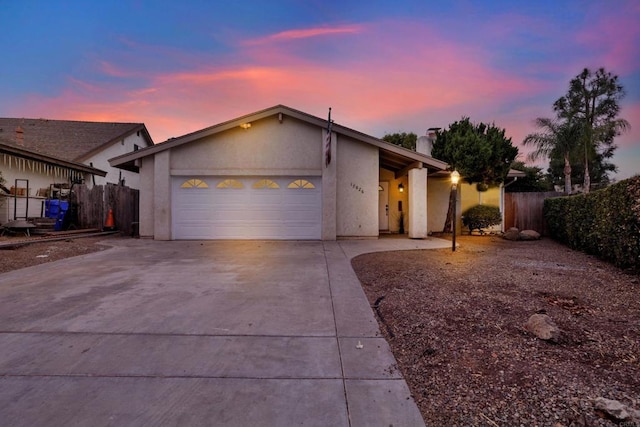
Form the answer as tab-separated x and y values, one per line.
109	224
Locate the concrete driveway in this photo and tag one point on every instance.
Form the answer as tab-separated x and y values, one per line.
199	333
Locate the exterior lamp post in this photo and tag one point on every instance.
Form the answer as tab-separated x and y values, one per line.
455	178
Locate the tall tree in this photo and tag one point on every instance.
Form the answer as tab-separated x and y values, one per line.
479	152
404	139
556	138
534	181
592	101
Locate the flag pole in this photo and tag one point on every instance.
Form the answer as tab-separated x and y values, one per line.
327	149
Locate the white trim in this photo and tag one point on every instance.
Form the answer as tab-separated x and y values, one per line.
245	172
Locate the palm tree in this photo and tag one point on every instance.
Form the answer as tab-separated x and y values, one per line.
593	99
556	136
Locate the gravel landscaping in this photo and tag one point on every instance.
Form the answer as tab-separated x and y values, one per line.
14	258
456	324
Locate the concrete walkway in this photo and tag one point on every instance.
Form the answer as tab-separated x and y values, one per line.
199	333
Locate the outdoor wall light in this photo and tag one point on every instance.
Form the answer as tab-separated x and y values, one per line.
401	188
245	126
455	178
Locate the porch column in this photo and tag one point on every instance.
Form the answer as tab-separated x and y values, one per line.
162	196
418	226
418	203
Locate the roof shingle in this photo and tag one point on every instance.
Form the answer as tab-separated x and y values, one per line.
64	139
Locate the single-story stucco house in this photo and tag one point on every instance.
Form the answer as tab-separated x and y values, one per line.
272	175
279	174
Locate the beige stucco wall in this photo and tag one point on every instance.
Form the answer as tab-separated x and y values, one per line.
162	196
418	203
101	161
470	196
329	185
438	190
268	147
146	197
357	188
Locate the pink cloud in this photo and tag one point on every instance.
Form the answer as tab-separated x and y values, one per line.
394	72
113	70
631	138
305	34
614	36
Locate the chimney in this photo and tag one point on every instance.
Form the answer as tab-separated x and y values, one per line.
20	136
424	144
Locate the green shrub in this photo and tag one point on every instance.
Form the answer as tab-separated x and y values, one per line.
481	216
605	223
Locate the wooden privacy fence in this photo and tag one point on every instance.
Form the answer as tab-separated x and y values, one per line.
94	204
524	211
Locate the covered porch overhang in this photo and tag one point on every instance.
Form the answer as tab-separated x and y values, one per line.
400	161
406	172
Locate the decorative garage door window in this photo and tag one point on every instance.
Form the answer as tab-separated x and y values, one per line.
230	183
247	207
265	183
194	183
301	183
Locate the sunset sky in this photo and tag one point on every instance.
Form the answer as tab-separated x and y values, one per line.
383	66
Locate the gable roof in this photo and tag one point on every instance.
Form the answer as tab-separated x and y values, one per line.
71	141
393	157
8	147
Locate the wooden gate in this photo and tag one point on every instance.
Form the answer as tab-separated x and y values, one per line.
524	211
94	204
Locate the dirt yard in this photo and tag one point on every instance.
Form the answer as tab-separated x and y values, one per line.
455	323
40	253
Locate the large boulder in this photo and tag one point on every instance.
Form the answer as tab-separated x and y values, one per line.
616	410
529	235
512	234
543	327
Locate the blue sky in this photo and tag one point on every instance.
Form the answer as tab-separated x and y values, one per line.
382	66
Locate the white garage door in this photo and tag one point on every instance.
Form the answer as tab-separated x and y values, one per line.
287	208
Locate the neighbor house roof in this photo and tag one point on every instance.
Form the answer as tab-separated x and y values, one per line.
392	156
8	147
71	141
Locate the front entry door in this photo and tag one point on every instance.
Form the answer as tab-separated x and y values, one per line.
383	206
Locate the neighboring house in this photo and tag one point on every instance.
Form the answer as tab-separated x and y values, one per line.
277	174
52	154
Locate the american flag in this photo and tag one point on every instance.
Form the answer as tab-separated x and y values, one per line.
327	148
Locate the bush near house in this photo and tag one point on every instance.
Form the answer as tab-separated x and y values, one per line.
481	216
605	223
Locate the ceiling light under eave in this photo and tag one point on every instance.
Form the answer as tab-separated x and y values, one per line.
245	126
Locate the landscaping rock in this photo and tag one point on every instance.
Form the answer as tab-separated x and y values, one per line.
512	234
454	340
543	327
616	410
529	235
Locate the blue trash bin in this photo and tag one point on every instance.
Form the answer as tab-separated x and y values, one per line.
52	208
63	208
